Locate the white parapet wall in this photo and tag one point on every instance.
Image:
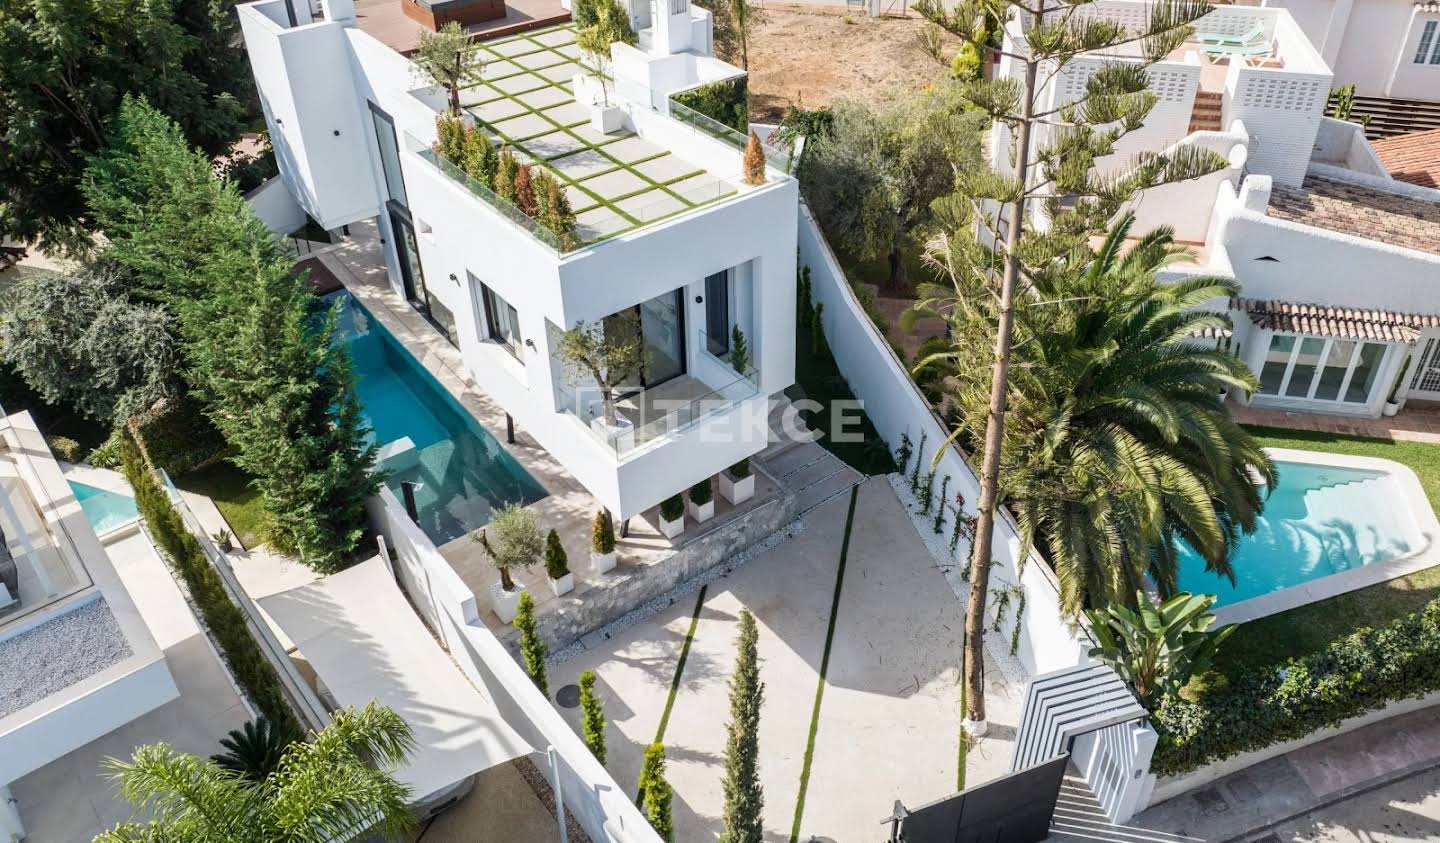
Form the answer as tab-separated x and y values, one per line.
596	801
1047	641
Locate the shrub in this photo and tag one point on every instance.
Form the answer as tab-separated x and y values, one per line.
1361	672
739	350
754	161
966	64
592	717
480	159
108	454
726	101
177	436
740	470
602	537
557	564
450	138
65	449
223	619
744	798
525	192
672	508
505	171
701	493
532	648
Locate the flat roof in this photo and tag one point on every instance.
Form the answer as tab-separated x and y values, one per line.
616	183
386	22
1361	211
58	653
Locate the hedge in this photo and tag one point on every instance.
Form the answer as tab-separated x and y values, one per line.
1359	673
175	435
219	613
726	101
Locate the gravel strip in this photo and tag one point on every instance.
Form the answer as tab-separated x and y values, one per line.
58	653
690	586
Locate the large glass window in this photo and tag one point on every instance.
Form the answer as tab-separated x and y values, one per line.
1337	365
389	154
1366	370
1429	49
502	323
1303	372
717	313
1277	361
442	319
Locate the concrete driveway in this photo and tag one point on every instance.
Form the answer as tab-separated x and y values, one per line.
888	724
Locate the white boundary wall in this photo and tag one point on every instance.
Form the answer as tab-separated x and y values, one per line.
896	406
449	608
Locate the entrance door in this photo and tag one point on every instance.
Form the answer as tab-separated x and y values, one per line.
661	323
408	251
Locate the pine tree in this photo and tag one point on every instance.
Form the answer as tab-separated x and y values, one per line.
744	800
754	162
532	648
1047	159
592	716
655	793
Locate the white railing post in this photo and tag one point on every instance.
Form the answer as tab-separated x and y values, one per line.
554	757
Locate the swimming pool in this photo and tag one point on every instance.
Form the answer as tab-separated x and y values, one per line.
105	510
461	473
1321	520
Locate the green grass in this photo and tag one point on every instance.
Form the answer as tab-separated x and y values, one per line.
1270	641
818	378
824	668
230	488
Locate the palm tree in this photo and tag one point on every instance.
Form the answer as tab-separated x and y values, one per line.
1117	445
335	787
254	750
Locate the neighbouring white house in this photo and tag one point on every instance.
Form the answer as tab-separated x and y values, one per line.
669	233
1385	48
1336	259
77	660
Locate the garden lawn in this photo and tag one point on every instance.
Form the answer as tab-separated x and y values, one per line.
230	489
1274	639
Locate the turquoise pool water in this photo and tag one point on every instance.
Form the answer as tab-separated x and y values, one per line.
105	510
1319	520
462	473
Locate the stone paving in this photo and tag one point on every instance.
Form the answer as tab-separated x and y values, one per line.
1413	424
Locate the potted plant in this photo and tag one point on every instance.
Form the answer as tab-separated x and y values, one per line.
602	543
612	24
223	541
512	540
737	483
1392	404
702	501
608	352
557	565
672	516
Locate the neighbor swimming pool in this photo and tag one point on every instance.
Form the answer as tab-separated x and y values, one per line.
1320	520
105	510
461	473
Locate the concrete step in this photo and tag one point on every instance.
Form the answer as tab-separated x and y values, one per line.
836	483
790	463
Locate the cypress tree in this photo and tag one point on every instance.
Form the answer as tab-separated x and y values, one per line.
532	648
744	800
655	793
592	716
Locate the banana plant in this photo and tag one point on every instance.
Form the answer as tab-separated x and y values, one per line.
1156	649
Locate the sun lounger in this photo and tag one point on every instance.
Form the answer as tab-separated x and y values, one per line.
1221	39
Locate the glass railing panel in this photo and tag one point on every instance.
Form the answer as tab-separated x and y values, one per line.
653	415
775	156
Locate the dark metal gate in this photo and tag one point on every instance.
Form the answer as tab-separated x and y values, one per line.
1013	809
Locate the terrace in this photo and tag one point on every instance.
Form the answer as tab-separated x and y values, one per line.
616	183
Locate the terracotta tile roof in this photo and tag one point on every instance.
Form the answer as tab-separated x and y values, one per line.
1413	157
1364	212
1428	7
1351	323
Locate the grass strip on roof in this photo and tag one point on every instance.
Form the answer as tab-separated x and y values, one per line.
824	668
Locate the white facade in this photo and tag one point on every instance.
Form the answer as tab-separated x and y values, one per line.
1375	45
502	294
1263	220
89	662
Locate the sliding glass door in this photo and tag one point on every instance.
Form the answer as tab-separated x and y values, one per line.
661	326
1322	369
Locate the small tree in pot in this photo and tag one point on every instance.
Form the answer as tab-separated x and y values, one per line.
612	24
602	543
608	352
557	565
672	516
737	483
512	540
702	501
445	58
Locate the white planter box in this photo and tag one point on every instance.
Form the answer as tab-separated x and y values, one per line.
737	491
621	436
606	119
505	603
671	529
602	562
606	116
563	585
1391	408
701	512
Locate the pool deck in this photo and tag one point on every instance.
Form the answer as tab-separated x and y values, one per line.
1412	494
568	508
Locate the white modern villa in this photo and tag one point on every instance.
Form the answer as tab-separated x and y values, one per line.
1336	259
669	235
77	660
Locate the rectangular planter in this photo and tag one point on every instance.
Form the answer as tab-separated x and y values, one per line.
506	604
737	490
563	585
701	512
671	529
602	562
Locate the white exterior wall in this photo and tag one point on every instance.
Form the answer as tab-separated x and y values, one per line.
1370	44
460	236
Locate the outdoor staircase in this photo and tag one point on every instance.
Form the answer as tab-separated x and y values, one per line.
1079	818
809	471
1206	114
